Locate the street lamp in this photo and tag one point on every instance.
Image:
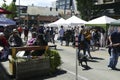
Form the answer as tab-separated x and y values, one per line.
65	8
4	0
19	12
71	6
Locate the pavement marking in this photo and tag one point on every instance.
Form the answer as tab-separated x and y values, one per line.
84	78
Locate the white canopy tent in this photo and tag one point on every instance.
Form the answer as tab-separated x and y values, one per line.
5	21
57	23
101	21
75	21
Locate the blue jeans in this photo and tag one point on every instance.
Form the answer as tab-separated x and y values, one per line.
86	48
113	58
61	40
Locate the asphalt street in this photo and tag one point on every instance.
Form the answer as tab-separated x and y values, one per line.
98	69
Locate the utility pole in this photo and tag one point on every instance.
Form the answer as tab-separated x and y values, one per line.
65	8
19	12
71	6
4	0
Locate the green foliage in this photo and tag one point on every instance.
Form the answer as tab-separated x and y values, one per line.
14	0
85	7
12	7
4	6
55	59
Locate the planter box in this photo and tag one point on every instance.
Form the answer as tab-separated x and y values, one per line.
32	68
25	67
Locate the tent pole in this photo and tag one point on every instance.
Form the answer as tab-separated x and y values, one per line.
106	38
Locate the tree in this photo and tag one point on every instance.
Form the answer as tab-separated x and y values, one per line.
86	9
12	7
4	0
14	0
4	6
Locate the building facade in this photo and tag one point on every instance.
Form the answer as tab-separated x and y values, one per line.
66	4
108	7
40	15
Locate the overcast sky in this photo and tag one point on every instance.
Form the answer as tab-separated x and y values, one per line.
43	3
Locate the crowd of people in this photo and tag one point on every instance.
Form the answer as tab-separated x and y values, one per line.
40	36
13	38
88	39
95	37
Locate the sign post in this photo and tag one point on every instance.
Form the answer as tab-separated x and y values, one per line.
76	45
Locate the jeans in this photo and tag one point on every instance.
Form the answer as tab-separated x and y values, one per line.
61	40
86	48
113	58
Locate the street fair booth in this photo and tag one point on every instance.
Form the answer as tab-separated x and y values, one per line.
103	21
115	23
114	26
57	23
75	21
31	65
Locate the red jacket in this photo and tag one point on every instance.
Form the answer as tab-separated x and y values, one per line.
4	42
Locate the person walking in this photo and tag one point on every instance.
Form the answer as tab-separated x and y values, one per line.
52	35
47	34
26	31
88	37
61	33
114	39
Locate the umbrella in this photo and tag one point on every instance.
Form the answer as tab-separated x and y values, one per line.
4	11
6	21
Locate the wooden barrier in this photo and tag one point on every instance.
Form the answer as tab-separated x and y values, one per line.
31	67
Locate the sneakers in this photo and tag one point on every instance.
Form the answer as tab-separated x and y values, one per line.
113	68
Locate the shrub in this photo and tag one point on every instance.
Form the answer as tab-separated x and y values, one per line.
55	59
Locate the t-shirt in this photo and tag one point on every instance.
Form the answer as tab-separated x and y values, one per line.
115	37
61	32
20	29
